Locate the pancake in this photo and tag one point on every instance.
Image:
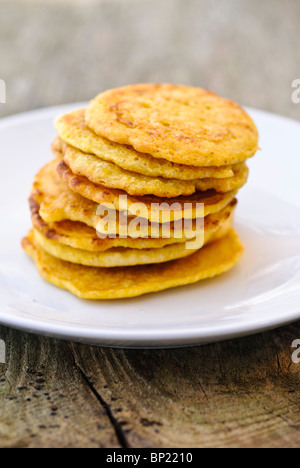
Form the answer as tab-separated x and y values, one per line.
73	130
225	185
58	203
110	175
180	124
117	283
80	236
116	257
57	148
151	207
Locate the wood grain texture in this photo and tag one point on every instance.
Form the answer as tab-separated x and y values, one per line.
45	401
240	393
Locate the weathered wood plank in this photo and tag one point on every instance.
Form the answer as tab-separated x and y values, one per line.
44	400
242	393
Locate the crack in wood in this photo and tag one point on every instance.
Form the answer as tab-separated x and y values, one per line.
116	425
277	354
282	418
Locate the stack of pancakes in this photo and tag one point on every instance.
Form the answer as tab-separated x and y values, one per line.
141	192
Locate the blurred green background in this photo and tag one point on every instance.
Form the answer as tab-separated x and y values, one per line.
61	51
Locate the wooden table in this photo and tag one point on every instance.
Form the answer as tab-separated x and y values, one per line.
240	393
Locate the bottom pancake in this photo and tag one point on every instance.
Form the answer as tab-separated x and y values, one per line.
117	283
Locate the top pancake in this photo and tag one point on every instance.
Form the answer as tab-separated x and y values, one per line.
73	130
180	124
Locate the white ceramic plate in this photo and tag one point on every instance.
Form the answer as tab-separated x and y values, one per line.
263	292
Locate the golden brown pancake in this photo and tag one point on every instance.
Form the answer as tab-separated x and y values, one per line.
110	175
117	283
58	203
150	207
120	256
81	236
72	129
180	124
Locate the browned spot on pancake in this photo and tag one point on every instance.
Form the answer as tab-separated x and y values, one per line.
51	234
